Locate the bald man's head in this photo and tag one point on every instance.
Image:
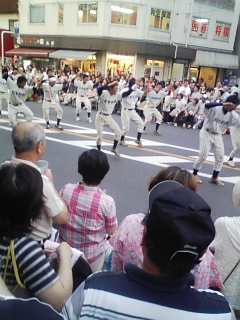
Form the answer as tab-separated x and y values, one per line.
26	135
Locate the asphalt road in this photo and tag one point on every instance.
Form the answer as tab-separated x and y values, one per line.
127	180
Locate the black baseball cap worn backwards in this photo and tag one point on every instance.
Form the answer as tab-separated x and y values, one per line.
179	222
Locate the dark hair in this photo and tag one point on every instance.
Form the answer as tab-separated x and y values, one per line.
168	267
233	98
174	173
186	80
21	79
196	100
85	76
93	165
4	70
180	94
197	86
131	82
21	198
221	91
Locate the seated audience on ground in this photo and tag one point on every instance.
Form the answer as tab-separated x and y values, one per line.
177	231
226	246
178	111
22	203
126	240
189	113
92	213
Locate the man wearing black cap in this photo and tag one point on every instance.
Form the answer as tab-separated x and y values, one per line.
218	117
178	230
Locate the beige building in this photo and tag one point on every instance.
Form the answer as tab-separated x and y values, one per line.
165	39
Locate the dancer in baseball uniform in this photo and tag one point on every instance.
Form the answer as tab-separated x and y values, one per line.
51	100
17	95
150	109
82	99
108	97
129	113
3	89
217	118
235	137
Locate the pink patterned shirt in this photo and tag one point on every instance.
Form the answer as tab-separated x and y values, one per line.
126	248
91	211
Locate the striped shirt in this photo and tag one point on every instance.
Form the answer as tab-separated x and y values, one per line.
216	120
137	294
33	267
91	211
17	95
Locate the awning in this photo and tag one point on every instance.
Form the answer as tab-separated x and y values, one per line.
64	54
216	60
32	52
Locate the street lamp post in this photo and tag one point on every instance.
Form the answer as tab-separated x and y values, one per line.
2	43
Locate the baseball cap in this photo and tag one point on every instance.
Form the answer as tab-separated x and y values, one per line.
179	222
204	96
236	196
234	99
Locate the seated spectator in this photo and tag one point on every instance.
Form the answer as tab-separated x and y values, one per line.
126	240
92	213
178	111
199	115
29	142
189	113
219	98
12	308
226	246
71	93
196	94
22	203
178	229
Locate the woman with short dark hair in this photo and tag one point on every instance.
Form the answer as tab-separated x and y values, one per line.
22	202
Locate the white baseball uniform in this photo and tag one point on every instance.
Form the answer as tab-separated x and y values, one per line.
235	137
215	122
150	109
16	103
186	91
106	104
82	94
51	100
3	91
128	111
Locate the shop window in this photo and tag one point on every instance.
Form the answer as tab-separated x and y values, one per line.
60	13
222	31
124	14
37	14
87	12
224	4
199	27
160	19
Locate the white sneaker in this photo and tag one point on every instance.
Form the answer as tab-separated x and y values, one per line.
123	143
144	131
175	125
139	143
89	120
231	163
78	119
115	151
216	181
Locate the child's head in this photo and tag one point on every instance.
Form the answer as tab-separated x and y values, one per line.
93	165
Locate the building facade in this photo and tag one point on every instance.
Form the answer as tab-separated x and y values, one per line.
166	39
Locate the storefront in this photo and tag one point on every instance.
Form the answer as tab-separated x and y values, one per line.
154	68
209	67
83	61
26	56
118	64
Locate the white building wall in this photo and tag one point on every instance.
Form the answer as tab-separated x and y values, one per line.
180	20
4	20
